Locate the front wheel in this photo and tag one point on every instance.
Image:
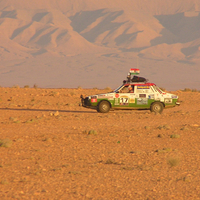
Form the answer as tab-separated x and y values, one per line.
103	107
157	107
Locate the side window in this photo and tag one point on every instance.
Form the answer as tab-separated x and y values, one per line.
127	89
124	90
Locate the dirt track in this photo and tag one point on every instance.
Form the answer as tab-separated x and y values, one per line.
129	155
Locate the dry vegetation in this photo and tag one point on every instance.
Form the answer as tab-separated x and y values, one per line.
51	148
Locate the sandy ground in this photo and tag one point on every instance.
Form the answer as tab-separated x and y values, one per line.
48	150
71	43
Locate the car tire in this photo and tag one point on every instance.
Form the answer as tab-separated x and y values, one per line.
157	107
103	107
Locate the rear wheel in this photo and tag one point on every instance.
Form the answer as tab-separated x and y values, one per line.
103	107
157	107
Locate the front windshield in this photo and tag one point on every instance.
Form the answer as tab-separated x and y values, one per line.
159	90
116	90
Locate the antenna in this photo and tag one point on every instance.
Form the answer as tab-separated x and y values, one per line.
137	62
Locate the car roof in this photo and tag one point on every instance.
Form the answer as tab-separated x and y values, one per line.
136	84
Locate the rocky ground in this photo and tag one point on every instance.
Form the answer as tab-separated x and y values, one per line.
51	148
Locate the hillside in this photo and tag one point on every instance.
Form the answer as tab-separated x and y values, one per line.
93	44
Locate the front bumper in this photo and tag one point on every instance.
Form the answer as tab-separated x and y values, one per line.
85	102
178	103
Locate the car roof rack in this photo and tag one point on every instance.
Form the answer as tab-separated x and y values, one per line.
134	79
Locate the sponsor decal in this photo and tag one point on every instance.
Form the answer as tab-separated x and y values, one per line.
151	96
132	100
142	101
174	97
124	101
142	95
101	96
104	97
142	87
123	96
93	100
168	100
167	95
116	95
116	101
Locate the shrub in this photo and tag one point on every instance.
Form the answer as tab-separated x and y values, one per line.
109	162
13	119
187	90
15	86
175	136
35	86
194	90
90	132
26	86
107	88
167	149
166	127
72	93
30	121
85	132
48	140
4	182
93	132
147	127
173	161
17	122
6	143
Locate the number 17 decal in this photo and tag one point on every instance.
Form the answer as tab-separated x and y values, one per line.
123	100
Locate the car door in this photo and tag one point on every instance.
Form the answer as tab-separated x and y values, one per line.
125	98
144	96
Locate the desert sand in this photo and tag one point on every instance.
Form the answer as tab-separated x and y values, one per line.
51	148
66	44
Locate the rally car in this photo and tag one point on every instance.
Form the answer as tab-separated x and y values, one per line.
135	93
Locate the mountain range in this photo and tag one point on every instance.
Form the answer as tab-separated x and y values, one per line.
94	43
